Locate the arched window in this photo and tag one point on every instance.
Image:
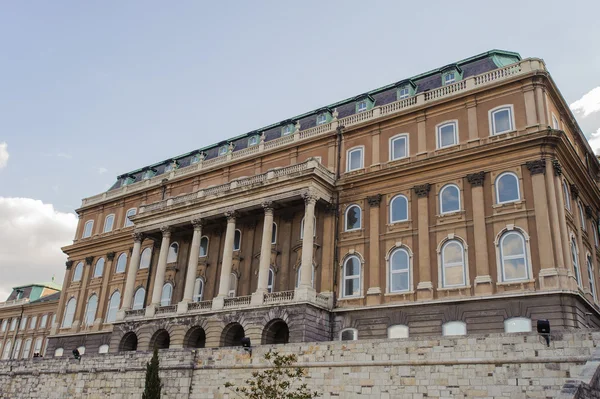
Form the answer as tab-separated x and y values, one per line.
595	229
44	321
103	349
130	212
447	134
173	251
69	313
351	277
501	119
399	271
453	264
121	263
237	240
33	323
517	325
271	280
299	276
575	260
581	216
78	273
99	268
37	346
17	349
87	229
590	268
513	257
274	234
58	352
399	147
7	349
507	188
232	285
449	199
567	195
454	328
204	246
398	331
167	293
355	159
314	227
113	307
349	334
138	298
198	289
81	350
109	221
398	209
145	258
353	218
90	310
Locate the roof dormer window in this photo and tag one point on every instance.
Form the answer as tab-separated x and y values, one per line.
361	106
223	150
403	93
171	166
148	174
449	78
323	118
287	129
451	74
364	103
252	141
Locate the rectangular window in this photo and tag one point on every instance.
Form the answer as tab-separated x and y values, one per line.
13	324
555	124
252	141
361	106
44	321
37	348
223	150
449	78
33	323
286	130
502	120
447	135
321	119
403	93
398	147
23	323
355	159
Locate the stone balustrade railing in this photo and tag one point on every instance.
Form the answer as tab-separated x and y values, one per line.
135	313
14	302
166	309
279	297
202	305
237	301
473	82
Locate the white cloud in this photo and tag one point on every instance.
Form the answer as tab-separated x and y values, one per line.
3	154
102	171
59	155
31	235
588	104
594	141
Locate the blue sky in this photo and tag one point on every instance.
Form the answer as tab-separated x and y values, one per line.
90	90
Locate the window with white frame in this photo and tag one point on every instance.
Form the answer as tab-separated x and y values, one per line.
398	331
109	221
349	334
195	159
103	349
145	258
58	352
223	150
274	234
173	252
575	261
26	349
287	130
453	264
398	209
513	256
87	229
299	276
166	294
507	188
399	147
237	240
37	347
590	267
170	166
69	313
447	134
121	263
351	276
130	213
517	325
361	106
449	78
113	307
198	289
138	298
7	350
23	323
454	328
204	246
252	141
321	119
17	349
45	347
99	268
314	227
4	325
399	267
90	310
403	92
555	124
449	199
81	350
13	324
581	216
78	273
232	285
567	195
270	280
501	120
44	321
353	218
355	159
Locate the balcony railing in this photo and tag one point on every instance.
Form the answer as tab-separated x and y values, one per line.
14	302
202	305
166	309
135	313
237	301
473	82
279	297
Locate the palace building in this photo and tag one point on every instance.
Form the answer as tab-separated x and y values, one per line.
458	201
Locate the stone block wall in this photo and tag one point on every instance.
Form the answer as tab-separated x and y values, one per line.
492	366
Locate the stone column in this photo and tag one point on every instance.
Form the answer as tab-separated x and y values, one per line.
425	287
134	265
305	291
483	280
562	226
161	268
555	227
541	105
218	302
192	269
374	291
548	272
265	255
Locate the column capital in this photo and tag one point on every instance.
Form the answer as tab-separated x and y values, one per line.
589	212
476	179
374	200
198	223
536	167
557	167
310	197
138	237
574	191
268	206
69	264
89	260
111	256
165	230
231	215
422	190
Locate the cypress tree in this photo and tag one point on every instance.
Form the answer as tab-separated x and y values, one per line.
153	385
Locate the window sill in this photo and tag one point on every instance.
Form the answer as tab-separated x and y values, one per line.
511	133
350	298
354	172
515	282
398	294
448	289
451	216
507	206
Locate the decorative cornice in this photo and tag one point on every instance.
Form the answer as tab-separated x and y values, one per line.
476	179
198	223
268	206
138	237
536	167
310	197
111	256
422	190
557	167
574	191
89	260
589	212
69	264
374	200
231	215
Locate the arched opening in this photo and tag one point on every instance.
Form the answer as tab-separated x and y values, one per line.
160	340
195	338
232	335
129	342
276	332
